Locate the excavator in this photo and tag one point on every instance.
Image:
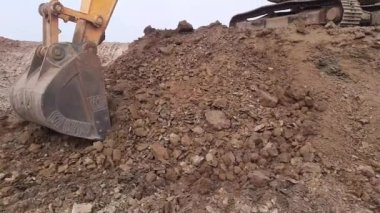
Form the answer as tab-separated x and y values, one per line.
64	88
344	13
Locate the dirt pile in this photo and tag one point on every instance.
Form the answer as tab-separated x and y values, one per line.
15	58
217	120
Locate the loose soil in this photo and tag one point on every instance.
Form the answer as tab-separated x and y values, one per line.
215	120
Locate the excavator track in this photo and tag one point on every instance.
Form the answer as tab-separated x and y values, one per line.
352	13
287	5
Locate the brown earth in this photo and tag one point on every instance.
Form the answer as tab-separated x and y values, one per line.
216	120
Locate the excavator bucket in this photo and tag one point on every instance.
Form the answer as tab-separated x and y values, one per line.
64	90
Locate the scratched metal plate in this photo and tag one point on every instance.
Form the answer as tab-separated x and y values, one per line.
67	95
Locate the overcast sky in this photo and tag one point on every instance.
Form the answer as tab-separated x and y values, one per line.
19	19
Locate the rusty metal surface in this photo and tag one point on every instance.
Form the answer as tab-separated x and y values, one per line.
65	91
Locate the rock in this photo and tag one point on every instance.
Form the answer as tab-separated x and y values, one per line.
24	137
321	106
255	139
75	156
217	119
109	143
142	97
174	139
230	176
259	128
237	170
277	132
198	130
254	157
150	177
311	168
89	195
296	161
309	102
88	161
108	152
270	149
132	202
82	208
228	158
149	30
375	164
168	50
376	184
142	146
236	143
47	172
309	128
220	103
171	174
264	33
34	148
197	160
222	176
295	93
366	171
258	178
203	186
211	160
63	168
2	176
116	155
186	140
301	27
307	152
139	123
364	121
125	167
359	35
141	132
176	153
186	168
284	158
98	146
184	27
160	152
267	100
100	159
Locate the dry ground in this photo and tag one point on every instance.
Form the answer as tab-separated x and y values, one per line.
216	120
